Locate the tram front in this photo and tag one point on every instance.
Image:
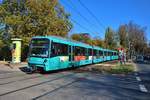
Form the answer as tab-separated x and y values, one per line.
38	54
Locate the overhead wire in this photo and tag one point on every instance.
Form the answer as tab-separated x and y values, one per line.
80	25
82	16
91	13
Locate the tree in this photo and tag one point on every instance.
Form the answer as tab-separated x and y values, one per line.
1	42
109	38
27	18
82	37
137	37
132	37
76	37
122	32
98	42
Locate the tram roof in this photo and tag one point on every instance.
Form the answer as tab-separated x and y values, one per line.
65	41
72	42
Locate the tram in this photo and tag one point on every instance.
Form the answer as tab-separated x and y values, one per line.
53	53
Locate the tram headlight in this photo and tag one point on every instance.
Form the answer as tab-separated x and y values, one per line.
45	61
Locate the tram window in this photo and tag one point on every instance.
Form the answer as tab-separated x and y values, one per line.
59	49
90	52
113	53
80	51
70	50
94	52
116	53
84	51
77	51
40	42
101	53
105	53
109	53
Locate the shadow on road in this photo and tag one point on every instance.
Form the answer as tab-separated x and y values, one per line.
26	70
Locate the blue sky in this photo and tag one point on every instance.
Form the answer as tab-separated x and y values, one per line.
110	13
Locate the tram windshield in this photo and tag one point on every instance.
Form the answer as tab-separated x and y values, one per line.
39	47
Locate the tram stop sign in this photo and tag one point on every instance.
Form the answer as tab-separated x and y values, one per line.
16	50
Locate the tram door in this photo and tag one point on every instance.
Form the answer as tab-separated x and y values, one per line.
70	53
73	52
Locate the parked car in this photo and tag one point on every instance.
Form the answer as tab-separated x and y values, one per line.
147	58
139	59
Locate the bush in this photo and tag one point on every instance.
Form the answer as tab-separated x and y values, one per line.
5	53
24	52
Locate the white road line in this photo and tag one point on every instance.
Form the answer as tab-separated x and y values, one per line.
138	78
142	88
136	74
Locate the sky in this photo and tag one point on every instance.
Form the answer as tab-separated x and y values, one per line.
110	13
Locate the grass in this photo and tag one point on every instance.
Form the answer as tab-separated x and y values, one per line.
115	68
121	69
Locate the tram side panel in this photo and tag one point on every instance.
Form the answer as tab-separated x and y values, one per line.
97	56
59	57
82	56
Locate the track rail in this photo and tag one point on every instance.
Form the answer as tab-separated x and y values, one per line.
63	86
12	76
33	85
21	79
7	72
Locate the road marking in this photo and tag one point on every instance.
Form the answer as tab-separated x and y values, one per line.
136	74
138	78
142	88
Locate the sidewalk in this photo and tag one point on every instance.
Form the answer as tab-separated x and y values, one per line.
6	66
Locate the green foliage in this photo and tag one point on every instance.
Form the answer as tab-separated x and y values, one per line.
82	38
5	53
28	18
132	37
122	32
1	38
98	42
1	43
76	37
87	39
109	38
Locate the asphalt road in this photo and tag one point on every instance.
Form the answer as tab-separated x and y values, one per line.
143	74
71	85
